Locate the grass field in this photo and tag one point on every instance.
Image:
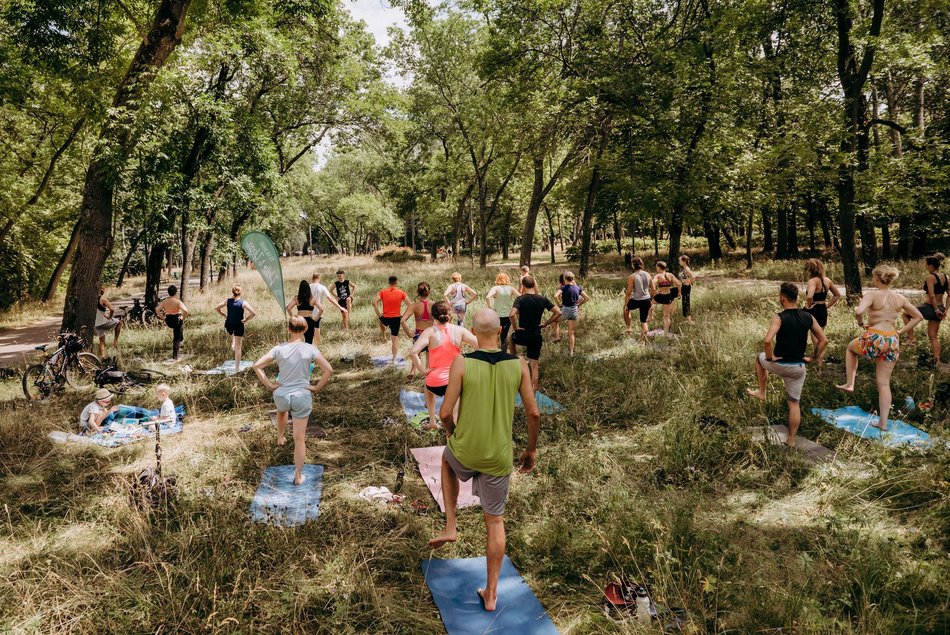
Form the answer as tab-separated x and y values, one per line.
746	536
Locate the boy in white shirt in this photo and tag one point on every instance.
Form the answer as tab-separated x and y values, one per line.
166	413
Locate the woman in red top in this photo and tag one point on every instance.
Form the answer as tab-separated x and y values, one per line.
444	341
392	299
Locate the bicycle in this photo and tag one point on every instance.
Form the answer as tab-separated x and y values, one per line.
67	365
140	314
120	382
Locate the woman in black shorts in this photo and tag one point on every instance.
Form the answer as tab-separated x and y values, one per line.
665	288
236	313
687	277
637	297
816	294
936	303
305	307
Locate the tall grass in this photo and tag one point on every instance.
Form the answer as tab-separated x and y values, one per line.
743	535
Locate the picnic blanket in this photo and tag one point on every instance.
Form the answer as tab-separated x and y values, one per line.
227	368
546	405
279	502
123	427
453	584
430	467
858	421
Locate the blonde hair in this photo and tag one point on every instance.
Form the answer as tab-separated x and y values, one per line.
456	277
165	388
814	268
525	269
297	324
885	273
569	276
236	290
502	278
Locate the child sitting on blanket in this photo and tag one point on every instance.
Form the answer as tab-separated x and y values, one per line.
166	413
96	412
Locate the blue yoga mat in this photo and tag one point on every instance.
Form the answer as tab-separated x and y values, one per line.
858	421
415	402
279	502
546	405
454	583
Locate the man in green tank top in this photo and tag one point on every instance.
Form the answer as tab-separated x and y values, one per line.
480	445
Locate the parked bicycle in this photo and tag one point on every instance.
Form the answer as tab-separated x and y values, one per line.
67	365
140	314
119	381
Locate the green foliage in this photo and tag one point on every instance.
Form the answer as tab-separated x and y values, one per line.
398	254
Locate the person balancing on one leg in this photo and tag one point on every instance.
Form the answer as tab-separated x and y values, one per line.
788	334
479	444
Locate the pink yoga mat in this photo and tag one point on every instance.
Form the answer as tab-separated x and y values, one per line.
430	467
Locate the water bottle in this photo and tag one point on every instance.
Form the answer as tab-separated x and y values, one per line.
643	606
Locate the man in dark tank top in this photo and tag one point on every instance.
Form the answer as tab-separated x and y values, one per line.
784	354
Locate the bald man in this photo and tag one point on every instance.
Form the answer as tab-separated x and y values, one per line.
480	446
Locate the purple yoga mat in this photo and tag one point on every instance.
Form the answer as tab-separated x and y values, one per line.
430	467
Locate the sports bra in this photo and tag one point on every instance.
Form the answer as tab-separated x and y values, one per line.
425	317
940	286
100	306
304	307
664	282
820	296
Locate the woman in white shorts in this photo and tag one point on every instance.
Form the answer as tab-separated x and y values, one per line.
293	392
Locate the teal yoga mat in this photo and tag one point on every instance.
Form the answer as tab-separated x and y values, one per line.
858	421
279	502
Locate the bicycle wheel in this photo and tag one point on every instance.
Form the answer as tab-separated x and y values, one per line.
39	383
81	372
150	318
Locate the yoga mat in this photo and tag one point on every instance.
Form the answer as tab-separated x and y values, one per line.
453	584
415	402
117	431
227	368
546	405
279	502
430	467
858	421
386	360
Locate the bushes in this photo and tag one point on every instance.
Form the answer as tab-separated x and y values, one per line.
398	254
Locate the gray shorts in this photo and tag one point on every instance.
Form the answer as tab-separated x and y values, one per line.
569	313
298	404
793	375
492	491
105	327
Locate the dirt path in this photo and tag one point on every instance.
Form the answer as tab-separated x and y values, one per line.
17	344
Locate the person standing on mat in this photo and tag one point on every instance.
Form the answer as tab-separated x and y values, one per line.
816	293
420	311
392	298
936	304
784	355
637	298
307	306
321	296
444	342
526	313
484	384
687	278
293	392
174	312
459	295
343	291
238	314
571	298
881	341
500	298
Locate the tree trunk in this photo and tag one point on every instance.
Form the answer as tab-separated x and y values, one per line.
903	237
781	252
133	245
730	239
115	143
207	248
588	217
793	230
886	240
187	260
64	260
748	239
712	237
767	244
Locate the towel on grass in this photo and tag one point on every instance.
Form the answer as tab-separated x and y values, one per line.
430	467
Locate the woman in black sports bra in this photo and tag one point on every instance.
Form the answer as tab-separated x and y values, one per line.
664	288
305	306
936	302
816	294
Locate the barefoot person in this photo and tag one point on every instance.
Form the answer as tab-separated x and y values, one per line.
96	411
174	312
105	322
638	297
687	278
420	311
459	295
479	445
293	392
785	344
665	287
444	342
526	313
236	313
343	291
392	298
816	293
500	298
322	298
880	341
166	407
571	297
309	308
936	303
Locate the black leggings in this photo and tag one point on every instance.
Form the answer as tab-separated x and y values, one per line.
176	324
687	289
505	327
312	325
